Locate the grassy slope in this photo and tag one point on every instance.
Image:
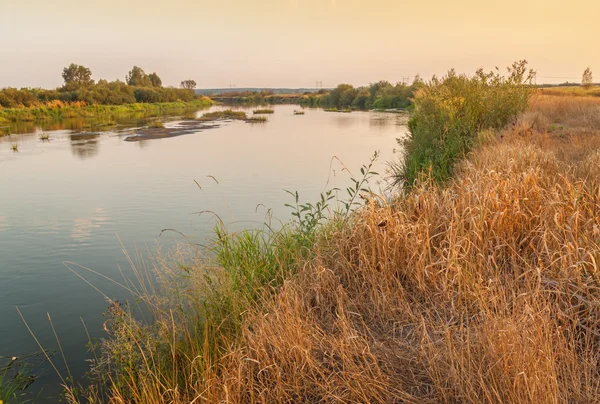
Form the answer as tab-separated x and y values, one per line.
485	289
45	113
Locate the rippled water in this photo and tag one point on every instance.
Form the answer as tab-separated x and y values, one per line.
77	198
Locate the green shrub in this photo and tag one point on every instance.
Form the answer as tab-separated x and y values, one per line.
450	112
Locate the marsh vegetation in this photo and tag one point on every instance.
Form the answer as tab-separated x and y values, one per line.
263	111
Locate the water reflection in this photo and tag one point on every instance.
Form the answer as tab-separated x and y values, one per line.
83	226
385	120
3	223
344	120
84	145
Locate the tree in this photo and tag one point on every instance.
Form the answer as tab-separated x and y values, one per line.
137	77
587	79
188	84
77	75
155	80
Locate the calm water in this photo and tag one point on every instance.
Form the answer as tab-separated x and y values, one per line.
72	200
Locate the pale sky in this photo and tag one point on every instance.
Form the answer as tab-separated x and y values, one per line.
293	43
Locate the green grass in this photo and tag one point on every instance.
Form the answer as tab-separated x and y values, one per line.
14	380
44	113
263	111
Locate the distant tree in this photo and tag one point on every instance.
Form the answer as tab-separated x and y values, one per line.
155	80
137	77
188	84
77	75
587	79
418	81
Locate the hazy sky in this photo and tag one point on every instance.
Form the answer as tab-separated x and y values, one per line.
293	43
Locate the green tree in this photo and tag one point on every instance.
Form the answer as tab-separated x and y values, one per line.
188	84
586	79
137	77
77	75
155	80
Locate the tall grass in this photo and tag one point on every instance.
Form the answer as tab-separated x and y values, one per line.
199	304
485	288
450	112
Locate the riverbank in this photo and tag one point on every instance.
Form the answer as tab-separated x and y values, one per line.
477	281
64	111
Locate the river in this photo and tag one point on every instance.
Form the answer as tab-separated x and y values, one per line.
83	199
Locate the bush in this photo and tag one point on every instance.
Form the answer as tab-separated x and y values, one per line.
449	113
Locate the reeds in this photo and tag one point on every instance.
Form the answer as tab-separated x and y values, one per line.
256	119
44	137
263	111
14	147
296	112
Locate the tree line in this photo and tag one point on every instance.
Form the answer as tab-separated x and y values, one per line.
79	86
378	95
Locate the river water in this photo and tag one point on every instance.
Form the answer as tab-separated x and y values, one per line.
83	199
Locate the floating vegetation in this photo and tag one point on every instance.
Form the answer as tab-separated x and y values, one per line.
345	110
225	114
156	125
298	112
257	119
44	137
264	111
14	147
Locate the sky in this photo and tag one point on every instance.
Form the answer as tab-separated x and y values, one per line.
293	43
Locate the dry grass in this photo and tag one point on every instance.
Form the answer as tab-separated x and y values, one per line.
484	290
579	91
571	114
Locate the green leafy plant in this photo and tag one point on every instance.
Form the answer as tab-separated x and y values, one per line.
450	112
309	215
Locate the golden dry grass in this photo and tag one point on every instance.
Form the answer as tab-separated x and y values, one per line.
593	91
484	290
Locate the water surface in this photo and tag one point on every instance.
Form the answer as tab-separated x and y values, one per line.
78	197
